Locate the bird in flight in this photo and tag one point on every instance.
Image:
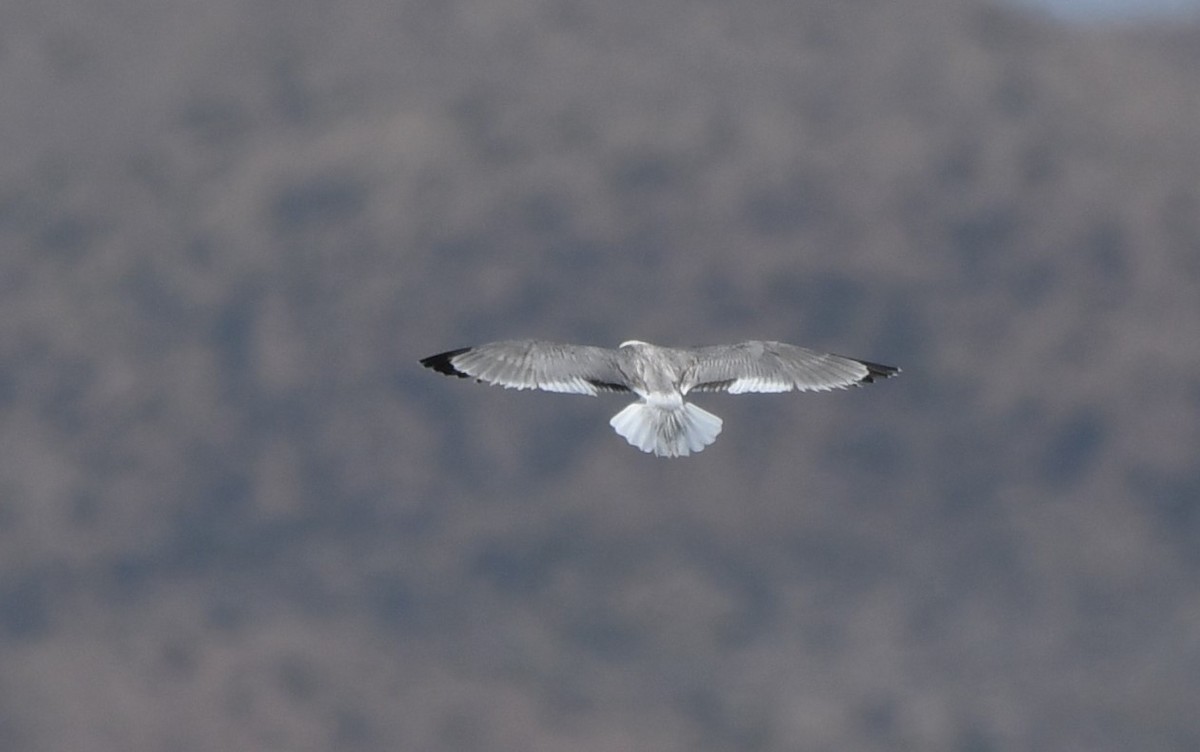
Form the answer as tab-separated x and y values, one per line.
661	421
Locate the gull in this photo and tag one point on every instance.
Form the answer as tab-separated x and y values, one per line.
661	421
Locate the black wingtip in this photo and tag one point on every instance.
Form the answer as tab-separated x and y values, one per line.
441	362
877	371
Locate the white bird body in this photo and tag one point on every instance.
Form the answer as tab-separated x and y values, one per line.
661	421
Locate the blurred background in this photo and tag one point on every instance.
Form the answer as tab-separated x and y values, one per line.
236	514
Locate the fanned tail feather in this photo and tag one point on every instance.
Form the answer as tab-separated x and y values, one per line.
667	431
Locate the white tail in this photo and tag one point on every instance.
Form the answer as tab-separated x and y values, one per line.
667	431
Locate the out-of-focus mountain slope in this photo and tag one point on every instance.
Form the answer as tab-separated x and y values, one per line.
235	513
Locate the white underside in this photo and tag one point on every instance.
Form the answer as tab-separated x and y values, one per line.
667	431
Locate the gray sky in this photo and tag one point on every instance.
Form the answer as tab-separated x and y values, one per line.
1115	9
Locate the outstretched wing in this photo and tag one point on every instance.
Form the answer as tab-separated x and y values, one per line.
776	367
533	364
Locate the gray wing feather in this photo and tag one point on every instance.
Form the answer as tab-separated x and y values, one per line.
776	367
534	364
